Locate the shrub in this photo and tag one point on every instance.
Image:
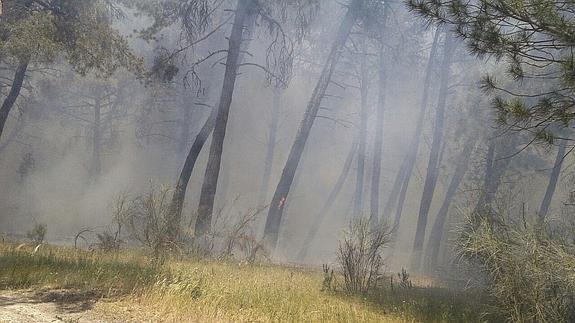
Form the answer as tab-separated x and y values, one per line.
146	219
108	242
240	240
530	275
37	234
360	255
328	278
404	279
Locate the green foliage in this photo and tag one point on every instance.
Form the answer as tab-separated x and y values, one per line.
536	40
194	16
82	32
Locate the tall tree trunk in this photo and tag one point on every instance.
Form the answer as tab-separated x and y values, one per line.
395	189
179	195
486	193
434	243
318	218
553	178
378	141
361	155
185	125
178	198
277	205
494	171
271	145
401	183
13	134
15	89
208	193
96	163
433	164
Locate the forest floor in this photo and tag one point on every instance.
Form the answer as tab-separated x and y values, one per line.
62	284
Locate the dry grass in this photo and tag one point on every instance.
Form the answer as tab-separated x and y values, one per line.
231	292
209	291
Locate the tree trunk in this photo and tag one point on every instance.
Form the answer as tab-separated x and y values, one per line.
401	183
272	139
393	197
12	135
434	243
178	198
494	171
185	125
482	202
360	175
318	218
15	89
282	190
378	141
96	164
553	178
433	164
208	193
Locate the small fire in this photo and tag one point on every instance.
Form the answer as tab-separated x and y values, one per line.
282	201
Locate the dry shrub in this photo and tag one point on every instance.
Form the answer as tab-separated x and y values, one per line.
328	278
530	275
240	238
360	255
232	236
37	234
107	242
146	219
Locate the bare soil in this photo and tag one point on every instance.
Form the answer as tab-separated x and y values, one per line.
56	305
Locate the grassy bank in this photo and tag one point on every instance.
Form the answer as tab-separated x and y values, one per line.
223	291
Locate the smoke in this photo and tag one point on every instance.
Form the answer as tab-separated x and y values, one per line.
60	191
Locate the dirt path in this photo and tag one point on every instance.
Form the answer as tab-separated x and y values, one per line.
51	306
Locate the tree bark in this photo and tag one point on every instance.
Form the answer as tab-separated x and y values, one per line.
15	89
208	193
374	217
433	163
361	155
318	218
553	178
277	205
434	243
401	183
271	145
